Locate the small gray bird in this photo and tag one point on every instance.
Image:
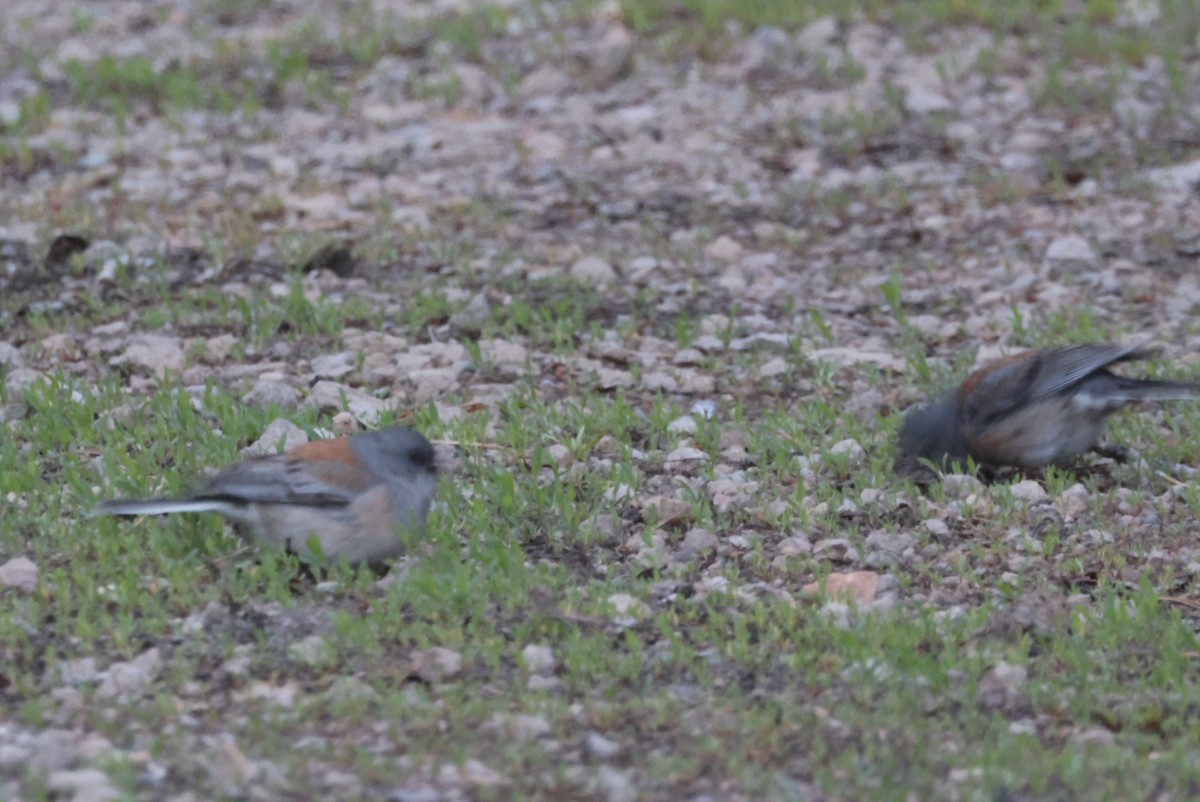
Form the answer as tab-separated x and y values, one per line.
353	494
1033	409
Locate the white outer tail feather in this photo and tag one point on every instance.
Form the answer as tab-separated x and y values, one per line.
157	506
1167	392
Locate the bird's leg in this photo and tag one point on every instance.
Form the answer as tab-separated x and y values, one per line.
1114	451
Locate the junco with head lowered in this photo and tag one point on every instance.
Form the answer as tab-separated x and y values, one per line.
1033	409
353	494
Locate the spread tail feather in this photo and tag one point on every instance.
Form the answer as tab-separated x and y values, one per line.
157	506
1155	390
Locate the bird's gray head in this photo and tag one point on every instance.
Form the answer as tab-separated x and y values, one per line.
932	432
395	451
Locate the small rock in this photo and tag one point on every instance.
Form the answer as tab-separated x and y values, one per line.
95	748
599	747
761	339
10	356
618	493
723	249
519	727
603	526
538	659
1028	490
474	314
18	380
154	352
613	379
213	614
85	785
14	411
313	651
10	113
776	366
594	271
693	382
959	486
937	528
265	392
411	218
435	664
1184	176
544	80
709	585
429	382
698	542
814	36
472	774
842	356
859	586
836	549
12	756
544	145
475	85
667	512
53	749
967	775
683	425
888	548
1073	502
279	436
685	460
283	696
228	767
333	366
238	664
999	685
503	352
641	269
107	274
1096	736
20	573
78	672
610	58
923	100
127	679
1070	251
795	545
344	424
217	349
424	793
560	455
614	785
660	380
327	396
837	612
850	450
628	606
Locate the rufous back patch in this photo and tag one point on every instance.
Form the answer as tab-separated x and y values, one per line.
335	450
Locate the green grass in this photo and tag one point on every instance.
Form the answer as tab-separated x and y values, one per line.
723	679
749	690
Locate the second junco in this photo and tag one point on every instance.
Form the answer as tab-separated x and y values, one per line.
353	494
1033	409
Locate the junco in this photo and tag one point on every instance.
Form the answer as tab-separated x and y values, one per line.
353	494
1033	409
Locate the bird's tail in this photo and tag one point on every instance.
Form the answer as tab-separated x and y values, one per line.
1130	390
156	506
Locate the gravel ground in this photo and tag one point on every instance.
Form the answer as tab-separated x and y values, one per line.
691	275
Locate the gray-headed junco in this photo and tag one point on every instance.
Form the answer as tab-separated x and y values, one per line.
1033	409
353	494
